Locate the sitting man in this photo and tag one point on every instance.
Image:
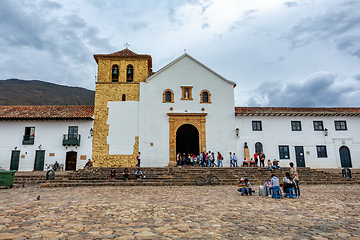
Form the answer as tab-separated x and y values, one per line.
248	190
138	174
241	186
276	164
126	174
245	162
252	162
88	164
113	173
56	166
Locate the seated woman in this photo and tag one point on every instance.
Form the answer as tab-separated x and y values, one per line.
252	162
126	174
138	174
269	165
245	162
288	182
112	174
241	186
88	164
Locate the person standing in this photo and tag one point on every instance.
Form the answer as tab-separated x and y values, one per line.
295	175
262	159
138	160
220	158
256	159
211	160
231	160
235	160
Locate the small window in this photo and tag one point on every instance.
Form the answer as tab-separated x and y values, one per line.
123	97
130	73
321	151
296	125
186	93
318	126
29	136
340	125
284	152
168	96
256	126
205	96
73	132
115	73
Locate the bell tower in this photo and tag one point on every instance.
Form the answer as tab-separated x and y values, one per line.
119	77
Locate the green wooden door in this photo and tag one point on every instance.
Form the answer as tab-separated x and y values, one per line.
14	164
39	160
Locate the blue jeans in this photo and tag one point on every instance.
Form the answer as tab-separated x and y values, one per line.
235	163
220	163
297	189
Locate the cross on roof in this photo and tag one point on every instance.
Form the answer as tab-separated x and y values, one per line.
126	45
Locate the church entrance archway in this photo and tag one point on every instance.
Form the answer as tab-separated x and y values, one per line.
190	130
345	157
187	140
71	158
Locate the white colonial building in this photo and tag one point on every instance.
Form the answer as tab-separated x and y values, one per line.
184	107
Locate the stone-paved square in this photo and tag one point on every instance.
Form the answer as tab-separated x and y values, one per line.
178	212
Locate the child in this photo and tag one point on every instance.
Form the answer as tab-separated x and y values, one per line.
269	165
242	186
252	162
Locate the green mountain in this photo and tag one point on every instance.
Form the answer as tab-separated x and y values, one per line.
34	92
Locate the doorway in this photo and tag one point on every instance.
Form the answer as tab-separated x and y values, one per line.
300	158
39	160
71	159
345	158
187	139
14	163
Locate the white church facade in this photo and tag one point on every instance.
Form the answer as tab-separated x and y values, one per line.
185	107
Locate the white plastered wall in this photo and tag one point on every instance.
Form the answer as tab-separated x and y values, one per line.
154	121
277	131
48	134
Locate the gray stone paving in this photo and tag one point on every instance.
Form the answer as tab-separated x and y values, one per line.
185	212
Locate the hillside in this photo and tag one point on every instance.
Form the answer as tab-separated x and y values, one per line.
34	92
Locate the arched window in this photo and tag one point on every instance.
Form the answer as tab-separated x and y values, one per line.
205	96
168	96
115	73
123	97
130	73
258	147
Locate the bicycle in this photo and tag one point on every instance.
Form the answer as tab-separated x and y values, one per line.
201	180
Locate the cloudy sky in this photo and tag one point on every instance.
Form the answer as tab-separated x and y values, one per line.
279	52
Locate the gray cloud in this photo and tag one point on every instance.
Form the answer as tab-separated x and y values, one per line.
340	25
319	89
357	77
291	4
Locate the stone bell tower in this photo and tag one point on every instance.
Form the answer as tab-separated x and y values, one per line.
119	77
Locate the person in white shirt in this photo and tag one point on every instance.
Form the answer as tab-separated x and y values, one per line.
274	183
234	158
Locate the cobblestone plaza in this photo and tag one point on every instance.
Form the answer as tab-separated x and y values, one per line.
178	212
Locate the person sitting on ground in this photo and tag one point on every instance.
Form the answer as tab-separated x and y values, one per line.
288	182
56	166
274	183
276	164
245	162
252	162
113	173
248	190
269	165
138	174
241	186
126	174
88	164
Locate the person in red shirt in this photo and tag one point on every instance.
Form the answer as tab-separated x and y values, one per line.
256	159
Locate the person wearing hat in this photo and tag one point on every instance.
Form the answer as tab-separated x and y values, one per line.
242	186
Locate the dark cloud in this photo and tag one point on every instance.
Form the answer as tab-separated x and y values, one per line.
291	4
319	89
339	25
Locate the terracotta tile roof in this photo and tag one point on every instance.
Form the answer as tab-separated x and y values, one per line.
46	112
125	53
289	111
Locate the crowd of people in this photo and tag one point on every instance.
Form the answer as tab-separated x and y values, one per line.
290	180
210	159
